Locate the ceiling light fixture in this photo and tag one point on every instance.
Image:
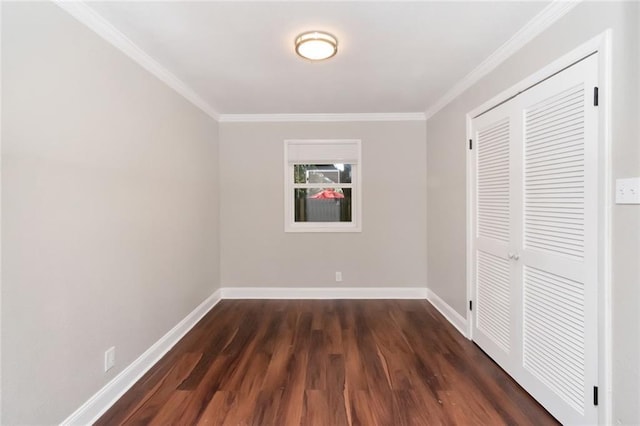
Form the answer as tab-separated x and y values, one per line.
316	45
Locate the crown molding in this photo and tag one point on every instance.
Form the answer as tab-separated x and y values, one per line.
94	21
279	118
543	20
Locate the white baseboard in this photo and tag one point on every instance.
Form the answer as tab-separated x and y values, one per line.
324	293
98	404
457	320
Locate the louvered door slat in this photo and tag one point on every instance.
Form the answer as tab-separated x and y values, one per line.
565	134
549	150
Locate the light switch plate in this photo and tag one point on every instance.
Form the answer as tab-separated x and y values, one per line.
628	191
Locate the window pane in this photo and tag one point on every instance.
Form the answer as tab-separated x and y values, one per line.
323	205
322	173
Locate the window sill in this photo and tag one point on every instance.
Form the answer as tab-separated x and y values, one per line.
322	227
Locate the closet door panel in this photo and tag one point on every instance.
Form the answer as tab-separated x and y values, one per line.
559	252
493	145
494	326
554	334
493	318
554	171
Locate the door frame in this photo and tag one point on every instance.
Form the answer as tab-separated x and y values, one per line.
602	45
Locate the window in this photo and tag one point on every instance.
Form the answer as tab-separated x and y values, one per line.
322	186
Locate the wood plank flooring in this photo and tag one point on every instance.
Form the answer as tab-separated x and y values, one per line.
325	362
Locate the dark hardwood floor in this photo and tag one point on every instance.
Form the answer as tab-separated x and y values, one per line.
325	362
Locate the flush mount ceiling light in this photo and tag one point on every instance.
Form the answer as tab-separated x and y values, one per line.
316	45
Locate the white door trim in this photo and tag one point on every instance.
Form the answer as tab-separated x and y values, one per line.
602	45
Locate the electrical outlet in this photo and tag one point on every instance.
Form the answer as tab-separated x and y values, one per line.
109	358
338	276
628	191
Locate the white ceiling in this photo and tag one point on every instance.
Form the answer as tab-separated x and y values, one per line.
393	57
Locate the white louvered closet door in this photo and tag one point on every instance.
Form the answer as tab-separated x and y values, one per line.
495	318
550	255
559	243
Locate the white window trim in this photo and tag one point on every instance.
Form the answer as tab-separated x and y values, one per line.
356	190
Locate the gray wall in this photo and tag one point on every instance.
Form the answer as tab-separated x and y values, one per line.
446	177
389	252
110	211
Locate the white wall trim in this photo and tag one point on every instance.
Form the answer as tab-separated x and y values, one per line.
92	19
457	320
324	293
543	20
605	373
279	118
470	226
91	410
0	221
99	403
